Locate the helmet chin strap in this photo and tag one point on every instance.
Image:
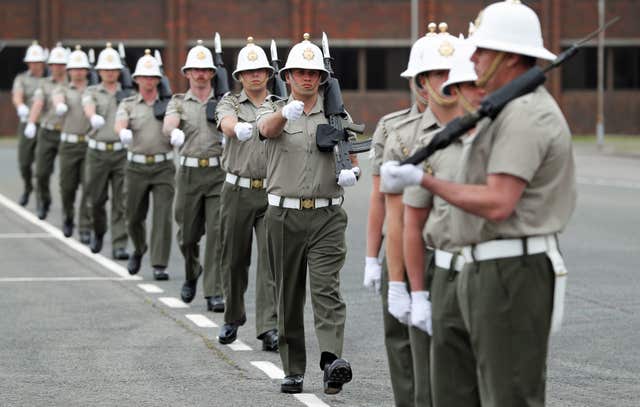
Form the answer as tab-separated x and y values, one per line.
482	81
439	99
419	98
466	105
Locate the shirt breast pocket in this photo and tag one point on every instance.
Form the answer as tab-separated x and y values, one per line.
293	138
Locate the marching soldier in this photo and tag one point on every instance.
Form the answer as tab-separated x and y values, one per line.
73	144
305	221
50	126
24	88
244	200
199	178
427	224
431	71
396	334
106	157
150	169
513	195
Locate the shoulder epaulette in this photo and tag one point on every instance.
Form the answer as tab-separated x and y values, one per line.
178	96
406	121
393	115
274	98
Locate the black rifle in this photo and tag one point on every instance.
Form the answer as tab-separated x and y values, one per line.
493	104
333	137
279	86
126	81
220	81
164	91
93	75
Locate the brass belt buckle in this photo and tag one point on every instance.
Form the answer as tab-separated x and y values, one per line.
307	203
256	183
109	146
149	159
203	162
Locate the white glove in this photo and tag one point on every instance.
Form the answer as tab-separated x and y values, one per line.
97	121
421	311
399	301
395	178
126	136
243	131
61	109
30	130
177	137
23	112
372	274
293	110
347	178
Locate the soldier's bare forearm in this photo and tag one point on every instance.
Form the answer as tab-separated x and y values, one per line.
413	245
89	110
394	210
271	125
170	123
17	97
120	124
375	219
227	126
35	111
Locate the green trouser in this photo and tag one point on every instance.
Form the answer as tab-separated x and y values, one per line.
297	239
73	175
46	151
198	210
506	306
453	378
26	157
398	345
242	211
142	180
104	168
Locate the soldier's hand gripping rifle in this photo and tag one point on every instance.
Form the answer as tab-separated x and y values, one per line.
220	81
279	86
164	91
126	81
333	137
493	104
93	75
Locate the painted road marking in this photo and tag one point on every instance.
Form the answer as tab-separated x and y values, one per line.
72	243
151	288
201	321
311	400
54	279
172	302
271	370
25	236
238	345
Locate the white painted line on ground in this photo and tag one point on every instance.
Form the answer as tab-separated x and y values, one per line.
172	302
25	236
54	279
238	345
72	243
311	400
271	370
151	288
606	182
201	321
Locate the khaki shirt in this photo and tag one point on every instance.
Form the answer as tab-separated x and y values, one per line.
295	166
48	117
405	135
381	133
530	139
27	84
147	130
244	158
75	122
202	138
106	106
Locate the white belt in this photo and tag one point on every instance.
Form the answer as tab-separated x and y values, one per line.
443	260
199	162
104	146
498	249
50	127
303	203
149	158
251	183
73	138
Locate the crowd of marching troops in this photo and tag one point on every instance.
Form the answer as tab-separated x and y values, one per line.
471	278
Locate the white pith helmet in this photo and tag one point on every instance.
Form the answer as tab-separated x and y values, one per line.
437	51
58	55
109	59
199	57
78	59
510	26
251	57
414	57
462	69
35	53
305	55
147	65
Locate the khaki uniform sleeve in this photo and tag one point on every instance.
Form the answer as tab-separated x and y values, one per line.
123	111
226	107
378	140
39	94
88	98
174	107
18	85
268	107
417	197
